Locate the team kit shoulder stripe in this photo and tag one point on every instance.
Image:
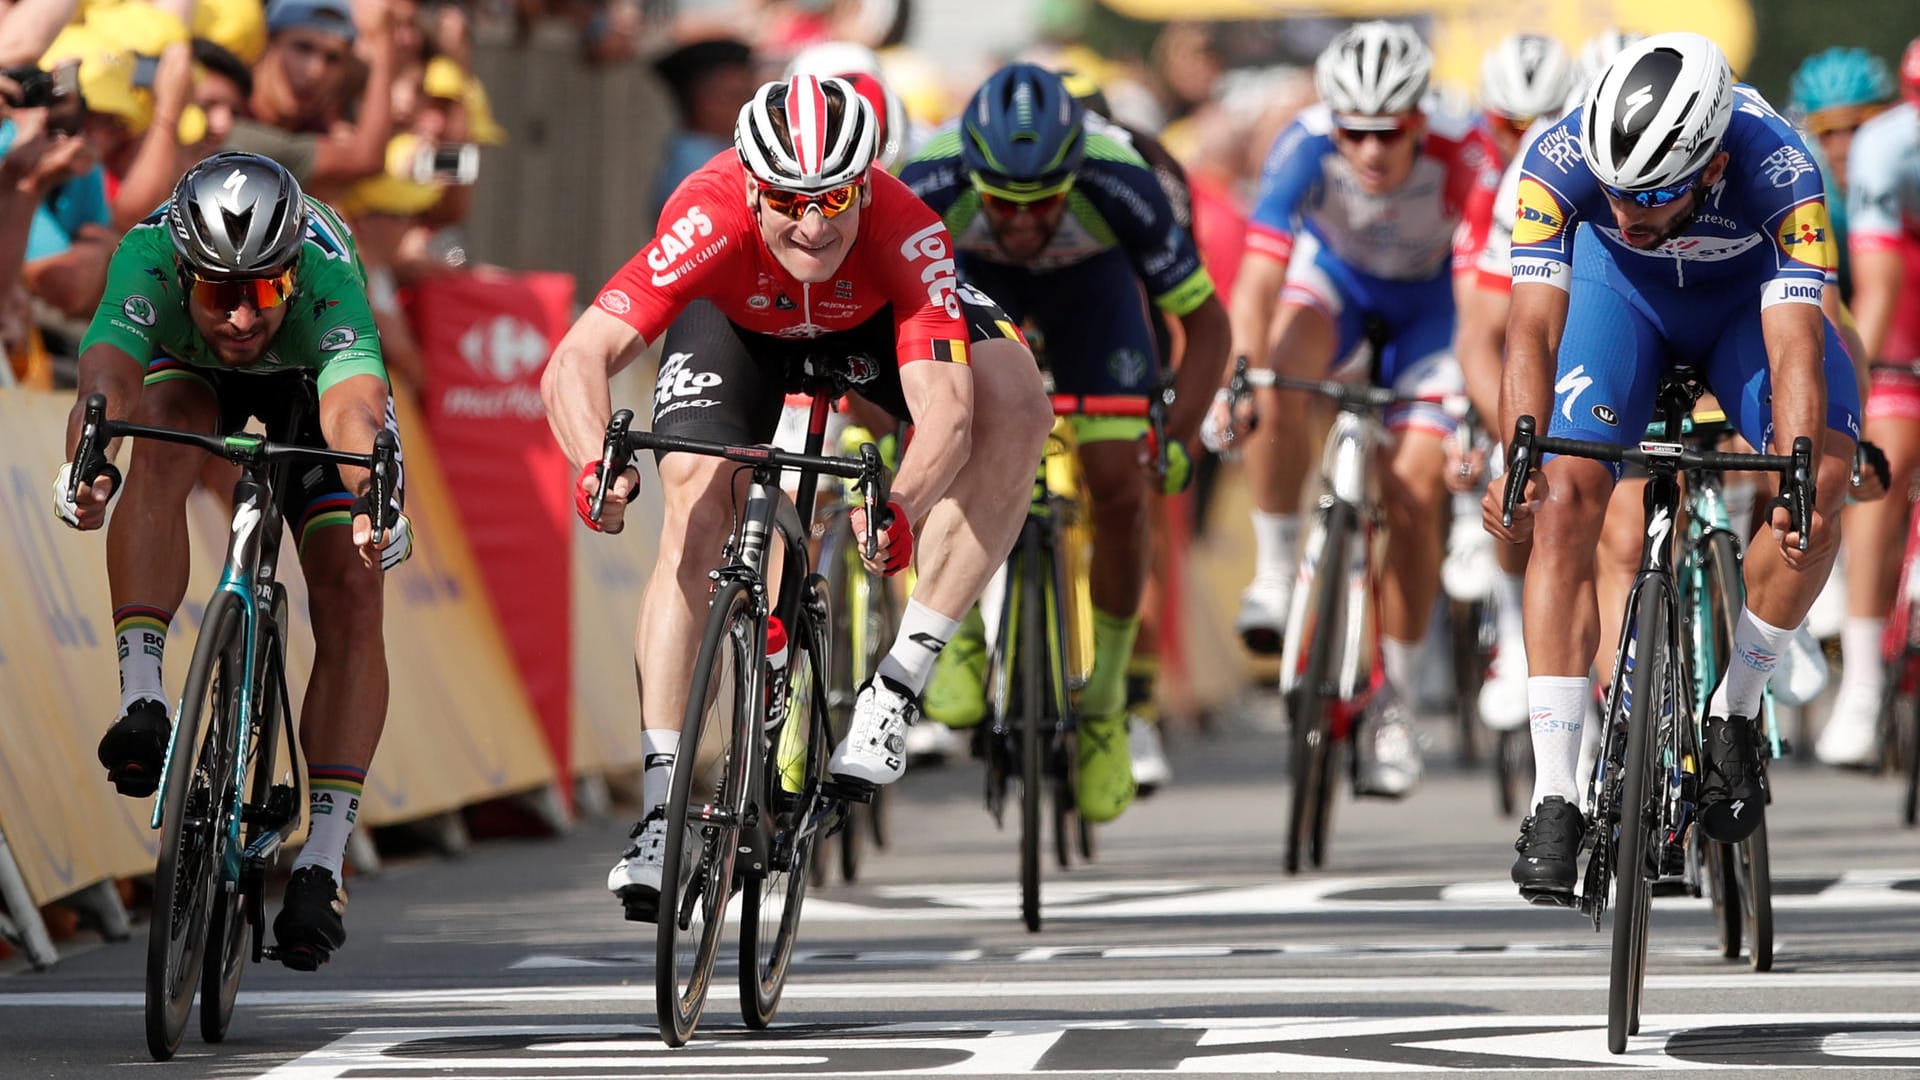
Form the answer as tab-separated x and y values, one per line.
944	144
1090	218
1107	148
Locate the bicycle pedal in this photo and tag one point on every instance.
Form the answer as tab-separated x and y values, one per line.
1668	886
848	790
134	784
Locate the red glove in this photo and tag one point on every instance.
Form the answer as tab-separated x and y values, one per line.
583	501
896	543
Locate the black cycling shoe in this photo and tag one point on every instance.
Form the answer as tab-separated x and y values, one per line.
312	919
1549	846
134	749
1733	796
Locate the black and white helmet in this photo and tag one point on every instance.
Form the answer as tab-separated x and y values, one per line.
807	134
1657	114
1374	69
1525	76
237	215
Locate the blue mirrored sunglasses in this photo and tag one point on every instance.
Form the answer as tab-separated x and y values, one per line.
1654	197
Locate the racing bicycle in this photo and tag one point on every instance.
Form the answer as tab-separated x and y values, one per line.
744	813
226	804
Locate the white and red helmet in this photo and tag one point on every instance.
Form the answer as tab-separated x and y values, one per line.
791	136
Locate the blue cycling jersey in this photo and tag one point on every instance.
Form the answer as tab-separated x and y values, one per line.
1764	222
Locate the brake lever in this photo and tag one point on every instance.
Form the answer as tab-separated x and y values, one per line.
615	456
1801	508
380	490
874	480
1519	466
87	455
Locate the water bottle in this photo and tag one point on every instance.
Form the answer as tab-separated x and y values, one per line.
776	672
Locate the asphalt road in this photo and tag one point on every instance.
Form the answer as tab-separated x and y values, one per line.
1184	948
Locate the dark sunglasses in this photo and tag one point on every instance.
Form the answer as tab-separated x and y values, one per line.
1001	206
1386	136
230	294
794	204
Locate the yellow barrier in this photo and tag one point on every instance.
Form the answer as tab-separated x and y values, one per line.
459	726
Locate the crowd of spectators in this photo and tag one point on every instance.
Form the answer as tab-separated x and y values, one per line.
104	104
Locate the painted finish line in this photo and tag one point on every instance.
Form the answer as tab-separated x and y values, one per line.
1261	1045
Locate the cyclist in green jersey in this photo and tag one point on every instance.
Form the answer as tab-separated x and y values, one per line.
241	298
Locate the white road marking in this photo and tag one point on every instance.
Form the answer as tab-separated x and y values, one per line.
823	990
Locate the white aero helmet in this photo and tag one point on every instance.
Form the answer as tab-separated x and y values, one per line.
1525	76
806	134
1373	69
1657	113
1593	59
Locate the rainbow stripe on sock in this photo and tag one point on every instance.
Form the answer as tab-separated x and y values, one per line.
338	778
141	617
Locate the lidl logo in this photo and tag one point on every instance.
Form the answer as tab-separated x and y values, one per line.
1806	237
1539	217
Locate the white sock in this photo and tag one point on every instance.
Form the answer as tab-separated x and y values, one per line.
658	748
923	633
1400	661
1508	605
1556	712
1739	500
1276	544
141	649
333	805
1466	507
1756	652
1861	664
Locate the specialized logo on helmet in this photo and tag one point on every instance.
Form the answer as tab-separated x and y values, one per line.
1540	216
140	310
1636	101
938	275
1806	237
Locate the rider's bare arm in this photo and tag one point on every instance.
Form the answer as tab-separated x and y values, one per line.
1203	361
1256	296
940	398
1837	313
1479	342
1877	280
1796	338
574	386
352	412
1534	325
105	369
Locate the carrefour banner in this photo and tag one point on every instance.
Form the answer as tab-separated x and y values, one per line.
486	336
460	728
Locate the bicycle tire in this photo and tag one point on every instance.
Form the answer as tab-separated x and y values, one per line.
1308	711
1907	740
1029	679
882	623
1733	906
767	950
727	639
1639	819
1469	671
230	929
1752	868
1723	888
183	884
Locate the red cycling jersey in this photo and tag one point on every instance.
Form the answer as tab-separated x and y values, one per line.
709	247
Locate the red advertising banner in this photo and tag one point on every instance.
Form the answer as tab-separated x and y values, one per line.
485	337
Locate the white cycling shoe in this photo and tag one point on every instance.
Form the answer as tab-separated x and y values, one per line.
1503	696
635	879
875	749
931	741
1263	612
1802	673
1851	739
1392	765
1150	768
1471	568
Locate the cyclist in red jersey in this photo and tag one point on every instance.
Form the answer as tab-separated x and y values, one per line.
795	247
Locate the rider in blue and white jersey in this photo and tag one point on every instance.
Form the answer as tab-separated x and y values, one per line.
1677	218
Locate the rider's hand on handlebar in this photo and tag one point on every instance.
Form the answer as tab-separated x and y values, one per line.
613	511
88	510
1870	473
1179	473
1226	424
1465	472
1825	537
1492	505
895	544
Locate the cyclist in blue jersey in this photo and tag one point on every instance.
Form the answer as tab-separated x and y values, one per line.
1676	218
1058	219
1370	206
1882	183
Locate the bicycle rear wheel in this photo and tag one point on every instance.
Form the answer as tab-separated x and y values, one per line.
770	905
1028	650
1310	707
198	780
1752	869
1639	818
692	914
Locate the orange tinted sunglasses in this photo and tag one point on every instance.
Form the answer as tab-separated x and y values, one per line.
232	293
794	204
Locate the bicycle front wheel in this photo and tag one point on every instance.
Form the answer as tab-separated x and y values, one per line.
1639	818
791	798
199	781
1029	653
1310	706
696	883
1753	871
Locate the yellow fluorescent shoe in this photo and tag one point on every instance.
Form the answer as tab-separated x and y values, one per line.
1104	787
957	694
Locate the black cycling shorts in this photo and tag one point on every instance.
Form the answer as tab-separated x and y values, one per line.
314	496
722	383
